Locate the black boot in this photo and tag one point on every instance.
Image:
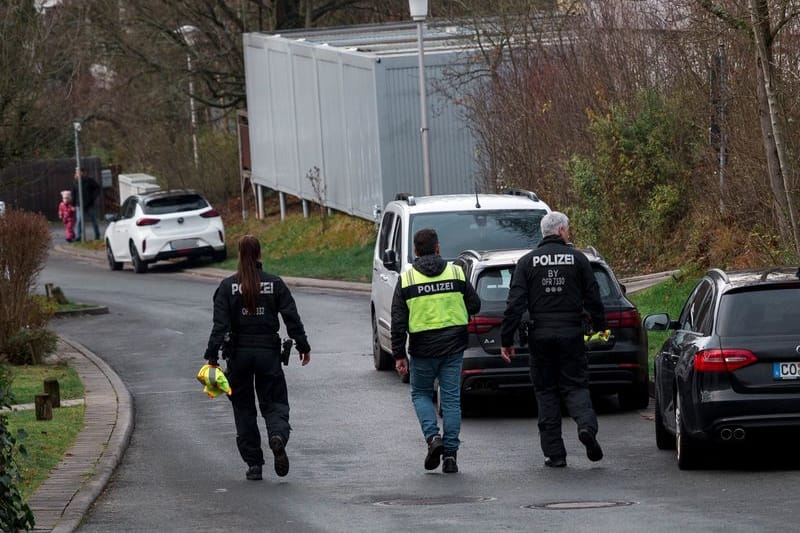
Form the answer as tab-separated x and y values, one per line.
593	450
254	473
449	464
278	448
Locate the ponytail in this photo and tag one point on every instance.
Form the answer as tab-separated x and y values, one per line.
249	278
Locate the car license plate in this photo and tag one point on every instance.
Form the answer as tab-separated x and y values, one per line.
789	370
183	244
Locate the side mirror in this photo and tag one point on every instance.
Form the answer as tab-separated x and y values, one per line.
390	259
111	217
624	289
657	322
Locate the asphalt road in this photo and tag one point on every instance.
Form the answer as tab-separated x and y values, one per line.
356	450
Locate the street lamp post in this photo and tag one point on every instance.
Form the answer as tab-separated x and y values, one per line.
76	126
419	12
187	32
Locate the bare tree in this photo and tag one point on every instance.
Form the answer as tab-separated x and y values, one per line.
40	66
767	21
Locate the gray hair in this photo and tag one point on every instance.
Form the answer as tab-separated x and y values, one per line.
552	222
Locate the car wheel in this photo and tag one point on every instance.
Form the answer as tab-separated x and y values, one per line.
113	264
381	358
664	439
686	449
139	266
220	256
637	396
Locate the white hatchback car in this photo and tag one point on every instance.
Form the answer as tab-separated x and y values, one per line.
164	225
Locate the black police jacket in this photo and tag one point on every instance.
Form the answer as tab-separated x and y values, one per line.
555	284
230	314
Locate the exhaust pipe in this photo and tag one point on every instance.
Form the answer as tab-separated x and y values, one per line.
726	434
739	434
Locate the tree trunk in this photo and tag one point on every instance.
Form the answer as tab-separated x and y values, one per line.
771	128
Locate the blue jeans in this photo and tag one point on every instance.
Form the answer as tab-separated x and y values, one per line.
424	371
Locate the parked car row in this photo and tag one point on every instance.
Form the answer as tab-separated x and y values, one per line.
728	375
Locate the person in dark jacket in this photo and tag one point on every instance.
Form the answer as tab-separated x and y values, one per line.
431	306
91	190
247	305
555	284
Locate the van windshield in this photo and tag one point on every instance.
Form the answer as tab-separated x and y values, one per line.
480	230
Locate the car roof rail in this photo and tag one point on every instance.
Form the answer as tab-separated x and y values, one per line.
522	192
721	273
406	197
592	250
471	252
786	270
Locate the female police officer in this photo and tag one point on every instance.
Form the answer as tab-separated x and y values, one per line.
247	305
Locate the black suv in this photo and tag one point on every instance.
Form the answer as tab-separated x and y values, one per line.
730	371
616	366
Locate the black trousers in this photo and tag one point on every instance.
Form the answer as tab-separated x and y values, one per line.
257	373
559	369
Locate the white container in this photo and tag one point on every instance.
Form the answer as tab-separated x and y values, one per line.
130	184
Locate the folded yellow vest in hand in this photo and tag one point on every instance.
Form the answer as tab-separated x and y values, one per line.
214	381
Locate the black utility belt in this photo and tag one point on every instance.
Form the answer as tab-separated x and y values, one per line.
268	341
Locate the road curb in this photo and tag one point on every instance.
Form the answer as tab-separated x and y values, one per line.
62	501
94	310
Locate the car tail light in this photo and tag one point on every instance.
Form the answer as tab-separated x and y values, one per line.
623	319
482	324
727	360
147	221
211	213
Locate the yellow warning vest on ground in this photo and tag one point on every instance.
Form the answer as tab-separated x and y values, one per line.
435	302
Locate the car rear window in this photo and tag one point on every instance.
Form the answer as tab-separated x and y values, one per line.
607	286
493	284
481	230
174	204
768	311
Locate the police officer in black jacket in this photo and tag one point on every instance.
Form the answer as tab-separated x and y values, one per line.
247	305
555	284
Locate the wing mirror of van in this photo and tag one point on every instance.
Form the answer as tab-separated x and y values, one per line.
390	259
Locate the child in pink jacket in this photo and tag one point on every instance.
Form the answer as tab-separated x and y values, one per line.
67	214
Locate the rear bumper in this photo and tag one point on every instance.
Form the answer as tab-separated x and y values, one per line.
189	252
159	247
757	414
491	374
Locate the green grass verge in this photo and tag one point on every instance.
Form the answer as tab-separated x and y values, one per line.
72	306
338	248
28	380
46	442
666	297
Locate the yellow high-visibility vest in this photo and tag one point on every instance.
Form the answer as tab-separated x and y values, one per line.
435	302
214	381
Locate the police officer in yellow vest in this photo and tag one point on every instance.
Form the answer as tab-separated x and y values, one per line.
432	303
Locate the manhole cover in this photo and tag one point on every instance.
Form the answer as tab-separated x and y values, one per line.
434	500
570	506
